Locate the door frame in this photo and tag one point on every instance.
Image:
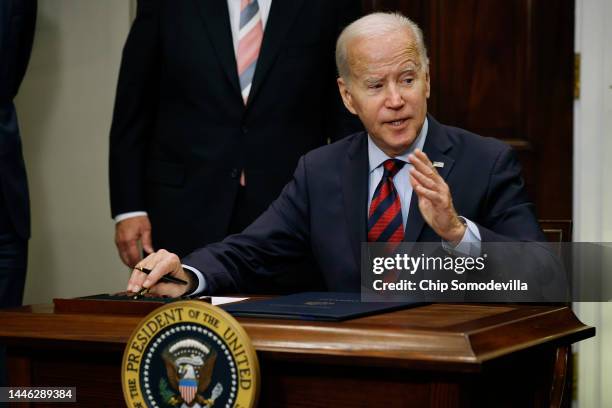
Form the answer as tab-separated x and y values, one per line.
592	196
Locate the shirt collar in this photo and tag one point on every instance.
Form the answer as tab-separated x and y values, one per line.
377	157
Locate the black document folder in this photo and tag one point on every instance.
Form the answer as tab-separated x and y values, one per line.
326	306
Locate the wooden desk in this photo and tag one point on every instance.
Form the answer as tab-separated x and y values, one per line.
441	355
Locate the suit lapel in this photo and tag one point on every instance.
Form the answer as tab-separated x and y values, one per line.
282	15
216	20
436	147
355	186
355	192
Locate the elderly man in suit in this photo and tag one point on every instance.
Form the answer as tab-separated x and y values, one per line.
408	178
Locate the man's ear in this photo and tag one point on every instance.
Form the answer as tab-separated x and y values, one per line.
345	93
427	82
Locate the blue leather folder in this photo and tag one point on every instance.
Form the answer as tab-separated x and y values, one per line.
325	306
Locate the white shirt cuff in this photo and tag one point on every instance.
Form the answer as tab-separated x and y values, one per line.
131	214
201	280
469	244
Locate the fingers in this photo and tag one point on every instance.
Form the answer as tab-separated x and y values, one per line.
129	253
424	172
422	164
423	192
127	235
427	182
423	179
165	263
126	241
135	283
160	263
147	241
435	199
127	248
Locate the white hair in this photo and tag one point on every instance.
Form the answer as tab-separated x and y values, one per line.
373	25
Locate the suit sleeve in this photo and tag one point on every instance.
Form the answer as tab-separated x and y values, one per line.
135	110
280	234
508	213
339	121
18	23
513	241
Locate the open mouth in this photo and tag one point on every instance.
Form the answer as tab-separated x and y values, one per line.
396	123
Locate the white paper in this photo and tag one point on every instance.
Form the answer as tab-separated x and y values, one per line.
219	300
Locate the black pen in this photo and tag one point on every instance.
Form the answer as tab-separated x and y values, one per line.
165	278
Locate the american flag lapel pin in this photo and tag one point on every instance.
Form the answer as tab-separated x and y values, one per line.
438	164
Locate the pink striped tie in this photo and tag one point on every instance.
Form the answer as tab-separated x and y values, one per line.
249	44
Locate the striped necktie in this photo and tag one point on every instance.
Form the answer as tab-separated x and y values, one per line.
385	216
249	44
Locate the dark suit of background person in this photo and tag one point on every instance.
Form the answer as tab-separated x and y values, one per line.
181	133
17	21
323	210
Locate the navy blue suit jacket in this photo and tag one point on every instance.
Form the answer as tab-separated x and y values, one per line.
323	210
17	21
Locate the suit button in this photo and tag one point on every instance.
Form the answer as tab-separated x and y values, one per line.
234	173
244	129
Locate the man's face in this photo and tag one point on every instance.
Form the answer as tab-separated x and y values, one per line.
388	89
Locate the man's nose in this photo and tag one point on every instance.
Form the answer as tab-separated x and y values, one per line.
394	98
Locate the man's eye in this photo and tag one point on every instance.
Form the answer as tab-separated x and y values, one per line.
408	80
374	86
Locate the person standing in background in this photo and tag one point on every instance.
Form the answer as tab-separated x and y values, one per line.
216	101
17	22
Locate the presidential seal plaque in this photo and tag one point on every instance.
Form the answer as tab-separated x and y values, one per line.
190	355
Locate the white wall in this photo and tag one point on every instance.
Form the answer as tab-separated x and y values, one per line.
65	109
592	187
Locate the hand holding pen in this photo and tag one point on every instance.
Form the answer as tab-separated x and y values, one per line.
165	278
160	273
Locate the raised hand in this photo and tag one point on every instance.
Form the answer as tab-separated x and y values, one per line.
435	199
